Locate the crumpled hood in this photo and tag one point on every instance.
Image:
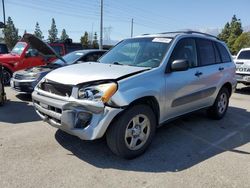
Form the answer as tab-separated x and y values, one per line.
8	57
87	72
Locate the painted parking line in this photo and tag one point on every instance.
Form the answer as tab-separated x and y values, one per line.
218	142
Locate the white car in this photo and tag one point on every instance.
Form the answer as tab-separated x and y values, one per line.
242	62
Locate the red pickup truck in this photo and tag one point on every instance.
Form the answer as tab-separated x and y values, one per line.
23	56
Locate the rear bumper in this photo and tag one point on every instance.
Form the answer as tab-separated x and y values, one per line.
84	119
243	78
24	86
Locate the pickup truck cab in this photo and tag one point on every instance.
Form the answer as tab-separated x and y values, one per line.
242	62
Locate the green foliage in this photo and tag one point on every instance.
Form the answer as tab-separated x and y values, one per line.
85	40
64	35
231	32
225	33
243	41
95	44
10	34
38	33
53	32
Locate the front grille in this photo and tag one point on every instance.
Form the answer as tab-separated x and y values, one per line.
56	88
18	77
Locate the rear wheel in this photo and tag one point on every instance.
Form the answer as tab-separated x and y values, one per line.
130	134
220	106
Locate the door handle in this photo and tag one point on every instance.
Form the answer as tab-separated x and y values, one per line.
198	73
221	68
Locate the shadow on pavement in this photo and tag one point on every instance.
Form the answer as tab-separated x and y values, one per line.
180	145
24	97
18	112
243	90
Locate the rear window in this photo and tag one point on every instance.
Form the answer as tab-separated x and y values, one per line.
225	57
73	48
58	49
206	52
244	54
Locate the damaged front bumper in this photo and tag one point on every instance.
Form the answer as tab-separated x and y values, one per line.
87	120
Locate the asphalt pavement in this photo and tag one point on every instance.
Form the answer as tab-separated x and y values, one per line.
193	151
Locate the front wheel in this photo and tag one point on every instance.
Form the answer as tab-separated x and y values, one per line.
133	131
220	106
6	76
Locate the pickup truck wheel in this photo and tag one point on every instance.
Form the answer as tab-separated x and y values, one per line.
220	106
132	132
6	76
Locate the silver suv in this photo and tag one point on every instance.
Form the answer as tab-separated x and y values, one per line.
139	85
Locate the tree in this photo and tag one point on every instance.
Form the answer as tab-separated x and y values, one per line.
64	35
235	31
231	32
85	40
95	44
53	32
38	33
10	33
243	41
225	33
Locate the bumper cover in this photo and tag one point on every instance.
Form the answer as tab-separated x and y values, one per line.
65	115
26	86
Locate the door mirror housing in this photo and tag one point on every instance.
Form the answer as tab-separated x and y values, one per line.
179	65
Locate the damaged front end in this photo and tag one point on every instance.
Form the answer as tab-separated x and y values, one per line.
80	110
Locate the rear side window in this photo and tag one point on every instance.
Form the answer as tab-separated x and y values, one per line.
225	57
244	54
206	52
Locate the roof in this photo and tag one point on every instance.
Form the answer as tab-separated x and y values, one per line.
176	33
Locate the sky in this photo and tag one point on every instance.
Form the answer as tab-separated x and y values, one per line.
150	16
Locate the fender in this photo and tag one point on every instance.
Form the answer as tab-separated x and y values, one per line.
8	66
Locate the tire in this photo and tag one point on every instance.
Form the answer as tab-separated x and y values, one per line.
6	76
220	106
131	133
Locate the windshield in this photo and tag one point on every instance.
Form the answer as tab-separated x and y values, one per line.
70	58
244	54
139	52
18	48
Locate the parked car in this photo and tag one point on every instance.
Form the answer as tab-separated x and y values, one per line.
242	62
3	48
138	85
24	56
26	80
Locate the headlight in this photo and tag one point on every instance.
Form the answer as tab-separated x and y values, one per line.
32	76
101	92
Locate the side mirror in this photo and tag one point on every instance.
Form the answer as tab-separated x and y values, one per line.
179	65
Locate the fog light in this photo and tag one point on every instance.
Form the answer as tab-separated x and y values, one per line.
83	120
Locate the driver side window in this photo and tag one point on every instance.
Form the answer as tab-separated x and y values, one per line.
185	50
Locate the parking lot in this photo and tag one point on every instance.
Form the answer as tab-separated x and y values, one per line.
192	151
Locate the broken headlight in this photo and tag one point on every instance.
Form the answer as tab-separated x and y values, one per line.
102	92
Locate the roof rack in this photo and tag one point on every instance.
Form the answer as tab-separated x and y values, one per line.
191	32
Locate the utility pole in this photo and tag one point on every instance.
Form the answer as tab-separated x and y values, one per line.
132	27
101	26
3	12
